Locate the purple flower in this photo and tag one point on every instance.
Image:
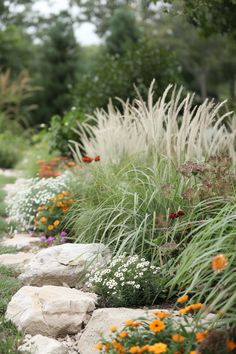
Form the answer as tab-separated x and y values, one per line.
43	238
51	239
63	234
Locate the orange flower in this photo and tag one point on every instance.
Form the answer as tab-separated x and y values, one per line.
158	348
134	350
65	209
219	262
71	163
99	346
60	196
193	352
231	345
70	201
59	204
161	314
43	220
200	336
183	299
118	346
65	193
123	334
177	338
50	227
157	326
144	348
56	223
113	328
129	322
191	308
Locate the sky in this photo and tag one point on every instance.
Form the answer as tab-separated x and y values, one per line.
85	33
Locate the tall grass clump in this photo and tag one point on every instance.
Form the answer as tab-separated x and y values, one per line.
192	269
126	206
173	127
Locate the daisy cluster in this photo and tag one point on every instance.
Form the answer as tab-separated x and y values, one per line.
125	274
22	206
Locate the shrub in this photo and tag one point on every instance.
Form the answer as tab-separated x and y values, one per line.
127	281
10	150
32	193
49	217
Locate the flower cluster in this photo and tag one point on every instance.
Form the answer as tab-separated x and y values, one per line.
127	281
88	159
58	239
160	332
49	217
55	167
31	194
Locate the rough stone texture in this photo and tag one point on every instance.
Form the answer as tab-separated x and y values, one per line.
100	323
64	264
21	241
50	310
42	345
18	260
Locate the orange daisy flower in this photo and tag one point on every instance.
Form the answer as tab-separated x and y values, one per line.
157	326
219	262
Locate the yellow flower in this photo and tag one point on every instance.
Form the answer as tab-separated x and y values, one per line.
193	352
200	336
157	326
161	314
123	334
50	227
134	350
183	299
219	262
144	348
99	346
113	328
56	223
158	348
132	323
43	220
177	338
60	196
192	307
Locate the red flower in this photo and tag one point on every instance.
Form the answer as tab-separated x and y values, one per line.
97	158
175	215
180	213
172	215
87	159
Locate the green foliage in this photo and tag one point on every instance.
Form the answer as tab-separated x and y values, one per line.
213	16
192	269
60	131
115	76
58	67
126	206
10	149
127	281
123	31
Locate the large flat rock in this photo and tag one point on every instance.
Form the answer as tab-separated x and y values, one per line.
64	264
21	241
17	260
50	310
100	323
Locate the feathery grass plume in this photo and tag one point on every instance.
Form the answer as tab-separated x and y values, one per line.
173	127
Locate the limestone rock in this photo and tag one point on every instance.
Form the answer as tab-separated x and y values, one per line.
100	323
40	344
21	241
64	264
18	260
50	310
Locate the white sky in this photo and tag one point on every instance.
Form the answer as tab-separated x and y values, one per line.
85	33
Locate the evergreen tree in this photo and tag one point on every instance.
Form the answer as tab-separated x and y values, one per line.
58	67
